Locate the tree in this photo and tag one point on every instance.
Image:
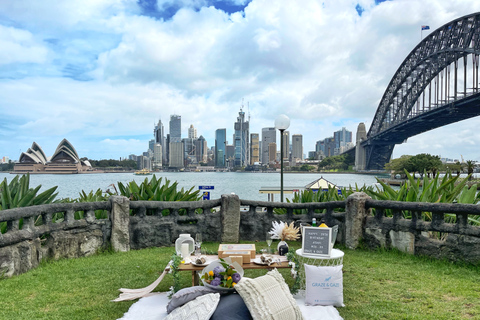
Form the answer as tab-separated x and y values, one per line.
339	162
425	163
399	165
470	167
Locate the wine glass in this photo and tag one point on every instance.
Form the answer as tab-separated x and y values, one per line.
269	241
198	244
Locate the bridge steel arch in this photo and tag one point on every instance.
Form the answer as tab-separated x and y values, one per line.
427	90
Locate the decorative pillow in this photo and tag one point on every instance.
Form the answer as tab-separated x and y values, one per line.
231	307
324	286
201	308
185	295
268	297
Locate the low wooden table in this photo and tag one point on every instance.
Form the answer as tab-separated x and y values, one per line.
196	270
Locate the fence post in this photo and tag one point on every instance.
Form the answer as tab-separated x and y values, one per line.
355	218
120	217
230	218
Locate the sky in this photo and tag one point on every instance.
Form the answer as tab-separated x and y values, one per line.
101	73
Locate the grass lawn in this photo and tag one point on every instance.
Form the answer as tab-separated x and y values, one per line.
377	285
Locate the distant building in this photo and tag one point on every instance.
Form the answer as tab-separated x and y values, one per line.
175	128
241	142
230	155
220	147
201	149
268	136
159	136
151	144
272	152
64	160
192	132
343	139
326	146
297	147
189	150
254	148
176	155
157	156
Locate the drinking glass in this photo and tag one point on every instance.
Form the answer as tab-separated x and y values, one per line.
269	241
198	244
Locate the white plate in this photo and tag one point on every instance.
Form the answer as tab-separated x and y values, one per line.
259	261
201	264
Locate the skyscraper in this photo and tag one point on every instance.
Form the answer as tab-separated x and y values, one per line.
159	133
157	156
254	148
272	152
175	128
241	140
201	149
220	147
175	147
159	136
342	138
268	136
151	143
297	147
192	132
189	149
176	155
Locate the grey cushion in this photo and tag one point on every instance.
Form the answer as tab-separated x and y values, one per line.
231	307
201	308
185	295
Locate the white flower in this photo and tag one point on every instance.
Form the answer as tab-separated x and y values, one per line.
277	229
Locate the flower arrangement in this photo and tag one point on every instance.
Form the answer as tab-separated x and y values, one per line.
284	231
224	276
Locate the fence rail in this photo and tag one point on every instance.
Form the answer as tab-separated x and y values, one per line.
445	217
73	230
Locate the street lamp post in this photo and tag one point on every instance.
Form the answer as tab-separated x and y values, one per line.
282	122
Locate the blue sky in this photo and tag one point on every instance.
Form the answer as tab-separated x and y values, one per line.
102	73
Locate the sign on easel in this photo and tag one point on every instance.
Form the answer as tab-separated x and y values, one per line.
317	241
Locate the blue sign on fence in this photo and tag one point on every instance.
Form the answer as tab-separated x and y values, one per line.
206	187
206	195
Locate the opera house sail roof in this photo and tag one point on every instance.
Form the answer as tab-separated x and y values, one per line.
64	160
65	153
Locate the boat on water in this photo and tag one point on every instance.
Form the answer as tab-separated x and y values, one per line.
143	172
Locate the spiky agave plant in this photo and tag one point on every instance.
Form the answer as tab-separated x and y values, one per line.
18	194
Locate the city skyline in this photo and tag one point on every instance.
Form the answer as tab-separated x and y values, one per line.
101	74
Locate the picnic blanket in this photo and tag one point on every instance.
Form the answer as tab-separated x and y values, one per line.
153	307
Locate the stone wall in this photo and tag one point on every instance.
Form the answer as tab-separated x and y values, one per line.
455	241
143	224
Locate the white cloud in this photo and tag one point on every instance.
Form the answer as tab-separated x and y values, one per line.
318	62
20	46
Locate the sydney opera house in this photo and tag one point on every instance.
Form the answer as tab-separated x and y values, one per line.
64	160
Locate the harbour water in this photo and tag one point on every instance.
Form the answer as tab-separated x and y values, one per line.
245	185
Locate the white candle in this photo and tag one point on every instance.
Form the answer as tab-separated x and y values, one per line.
185	250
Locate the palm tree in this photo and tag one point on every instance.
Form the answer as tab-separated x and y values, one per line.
470	167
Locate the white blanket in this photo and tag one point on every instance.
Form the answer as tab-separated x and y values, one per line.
154	308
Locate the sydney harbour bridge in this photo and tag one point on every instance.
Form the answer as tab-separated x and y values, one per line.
436	85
